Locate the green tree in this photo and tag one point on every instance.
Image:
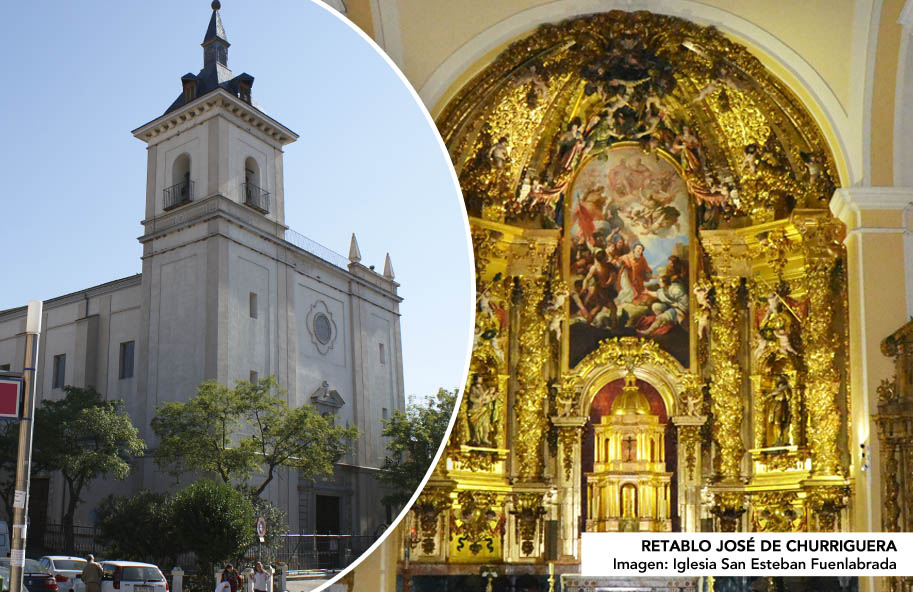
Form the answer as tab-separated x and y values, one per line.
276	526
9	452
140	526
84	437
235	432
215	520
415	436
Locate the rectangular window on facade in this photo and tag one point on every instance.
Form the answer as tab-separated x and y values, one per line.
253	305
5	367
126	359
254	377
60	371
384	413
383	358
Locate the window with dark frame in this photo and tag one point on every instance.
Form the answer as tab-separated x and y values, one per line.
254	377
383	358
126	359
60	371
253	305
4	367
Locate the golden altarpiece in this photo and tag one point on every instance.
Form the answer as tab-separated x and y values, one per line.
648	208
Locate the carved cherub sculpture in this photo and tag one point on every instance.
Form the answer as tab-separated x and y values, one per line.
499	154
702	296
691	400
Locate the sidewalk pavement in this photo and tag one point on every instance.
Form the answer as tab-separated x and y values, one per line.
305	585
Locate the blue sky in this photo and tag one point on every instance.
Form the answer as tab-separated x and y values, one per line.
79	76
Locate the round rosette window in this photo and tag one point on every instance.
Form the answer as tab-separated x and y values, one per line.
321	326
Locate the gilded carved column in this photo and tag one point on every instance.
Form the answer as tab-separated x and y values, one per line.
726	378
532	393
819	336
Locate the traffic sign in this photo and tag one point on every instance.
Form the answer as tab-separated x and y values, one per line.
10	398
261	527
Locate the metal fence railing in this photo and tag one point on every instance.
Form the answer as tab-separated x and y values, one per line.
255	197
177	194
315	248
308	552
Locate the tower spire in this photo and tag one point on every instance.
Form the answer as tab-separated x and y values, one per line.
215	42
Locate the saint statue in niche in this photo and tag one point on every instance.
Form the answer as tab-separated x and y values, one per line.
777	413
482	401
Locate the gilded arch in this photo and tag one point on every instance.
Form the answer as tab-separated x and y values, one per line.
612	361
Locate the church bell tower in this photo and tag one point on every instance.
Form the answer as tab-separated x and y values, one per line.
213	223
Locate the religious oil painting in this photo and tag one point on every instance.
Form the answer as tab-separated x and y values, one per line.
628	227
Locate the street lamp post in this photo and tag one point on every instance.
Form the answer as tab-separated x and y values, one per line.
24	459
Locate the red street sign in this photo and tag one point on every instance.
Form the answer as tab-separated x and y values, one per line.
10	398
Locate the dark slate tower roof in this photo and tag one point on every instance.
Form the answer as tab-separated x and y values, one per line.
215	73
215	29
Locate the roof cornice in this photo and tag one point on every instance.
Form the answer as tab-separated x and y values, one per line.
218	98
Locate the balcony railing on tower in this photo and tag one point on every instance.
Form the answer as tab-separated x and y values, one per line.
255	197
178	194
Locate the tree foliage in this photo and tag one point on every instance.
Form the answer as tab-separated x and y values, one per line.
276	527
235	432
215	520
9	452
84	437
415	436
140	526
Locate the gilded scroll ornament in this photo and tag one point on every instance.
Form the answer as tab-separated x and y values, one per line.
569	437
428	507
689	438
825	505
477	521
777	511
528	510
728	507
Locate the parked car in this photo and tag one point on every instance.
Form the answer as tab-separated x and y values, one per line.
129	576
34	576
64	569
4	539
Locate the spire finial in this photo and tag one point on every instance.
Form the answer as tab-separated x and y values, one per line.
215	42
388	268
354	252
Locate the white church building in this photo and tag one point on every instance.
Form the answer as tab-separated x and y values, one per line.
227	292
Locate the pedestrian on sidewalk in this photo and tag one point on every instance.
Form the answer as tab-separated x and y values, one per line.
234	579
260	578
